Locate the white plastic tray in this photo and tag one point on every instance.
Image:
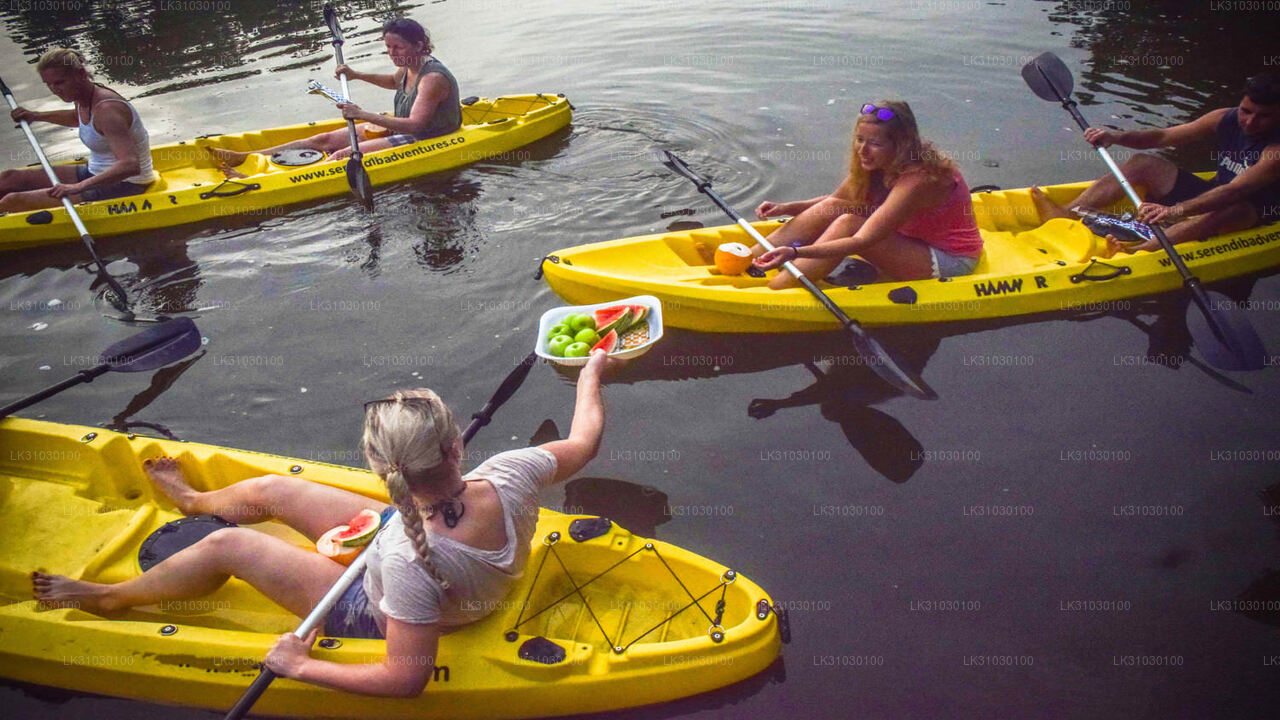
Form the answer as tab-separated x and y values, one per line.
552	317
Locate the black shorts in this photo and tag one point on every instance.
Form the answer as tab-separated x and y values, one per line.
1188	186
107	192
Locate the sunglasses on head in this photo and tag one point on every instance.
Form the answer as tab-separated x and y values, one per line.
418	402
883	114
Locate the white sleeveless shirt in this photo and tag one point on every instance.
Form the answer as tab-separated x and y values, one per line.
100	155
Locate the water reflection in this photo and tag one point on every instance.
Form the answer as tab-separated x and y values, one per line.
142	43
161	381
638	508
1192	57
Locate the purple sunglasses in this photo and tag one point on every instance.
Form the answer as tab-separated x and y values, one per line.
882	114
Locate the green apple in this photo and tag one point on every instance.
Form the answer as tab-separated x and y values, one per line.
557	345
561	329
586	335
580	321
578	349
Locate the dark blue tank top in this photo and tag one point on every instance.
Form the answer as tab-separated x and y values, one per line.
1238	152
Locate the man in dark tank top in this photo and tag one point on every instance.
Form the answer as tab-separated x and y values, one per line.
1244	193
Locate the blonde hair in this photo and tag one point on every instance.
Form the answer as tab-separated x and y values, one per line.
407	439
64	58
911	153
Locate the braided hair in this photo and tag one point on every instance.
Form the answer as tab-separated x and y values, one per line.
407	439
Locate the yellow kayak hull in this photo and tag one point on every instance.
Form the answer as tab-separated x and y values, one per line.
192	189
1026	268
76	502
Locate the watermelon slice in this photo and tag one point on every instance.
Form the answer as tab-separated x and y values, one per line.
615	317
359	530
331	548
638	315
607	343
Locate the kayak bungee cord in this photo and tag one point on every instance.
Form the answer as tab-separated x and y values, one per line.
716	632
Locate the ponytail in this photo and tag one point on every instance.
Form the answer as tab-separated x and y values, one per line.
407	439
400	497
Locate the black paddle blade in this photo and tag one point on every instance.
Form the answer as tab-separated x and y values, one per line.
678	166
1223	335
154	347
358	179
1048	77
331	18
882	364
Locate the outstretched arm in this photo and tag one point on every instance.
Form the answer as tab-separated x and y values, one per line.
57	117
583	442
1201	128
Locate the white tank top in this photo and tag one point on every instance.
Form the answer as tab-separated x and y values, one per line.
100	155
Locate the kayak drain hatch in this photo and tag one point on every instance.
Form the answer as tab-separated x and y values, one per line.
44	217
541	650
903	296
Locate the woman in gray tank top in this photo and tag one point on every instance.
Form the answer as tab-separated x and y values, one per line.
426	101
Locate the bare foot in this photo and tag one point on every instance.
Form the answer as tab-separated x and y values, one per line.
58	591
229	158
1048	209
167	476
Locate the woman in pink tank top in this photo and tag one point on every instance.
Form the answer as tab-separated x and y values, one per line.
904	207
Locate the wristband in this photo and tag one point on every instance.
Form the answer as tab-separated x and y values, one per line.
796	247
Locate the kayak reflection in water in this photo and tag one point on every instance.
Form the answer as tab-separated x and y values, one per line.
445	560
904	207
119	146
426	102
1245	192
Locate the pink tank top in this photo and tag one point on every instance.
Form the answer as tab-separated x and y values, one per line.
950	227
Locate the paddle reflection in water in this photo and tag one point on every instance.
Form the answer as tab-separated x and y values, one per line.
162	380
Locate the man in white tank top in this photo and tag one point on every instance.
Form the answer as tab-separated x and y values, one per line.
119	148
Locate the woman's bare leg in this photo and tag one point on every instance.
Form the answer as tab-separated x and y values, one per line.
329	142
310	508
808	225
290	576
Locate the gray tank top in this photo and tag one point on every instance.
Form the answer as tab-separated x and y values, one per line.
448	114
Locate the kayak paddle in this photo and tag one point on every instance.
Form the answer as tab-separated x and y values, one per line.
1218	327
154	347
868	349
265	676
357	176
119	300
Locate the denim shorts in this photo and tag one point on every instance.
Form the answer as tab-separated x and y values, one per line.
946	265
351	616
107	192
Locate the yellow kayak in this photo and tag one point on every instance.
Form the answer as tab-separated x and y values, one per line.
76	502
1026	268
191	188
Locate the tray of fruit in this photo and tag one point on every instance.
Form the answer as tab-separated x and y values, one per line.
624	328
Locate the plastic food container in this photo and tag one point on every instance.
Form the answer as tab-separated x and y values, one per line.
552	317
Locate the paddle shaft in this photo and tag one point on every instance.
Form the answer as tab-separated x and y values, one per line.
83	376
346	94
508	388
85	237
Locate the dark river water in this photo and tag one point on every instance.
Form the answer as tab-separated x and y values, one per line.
1083	524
